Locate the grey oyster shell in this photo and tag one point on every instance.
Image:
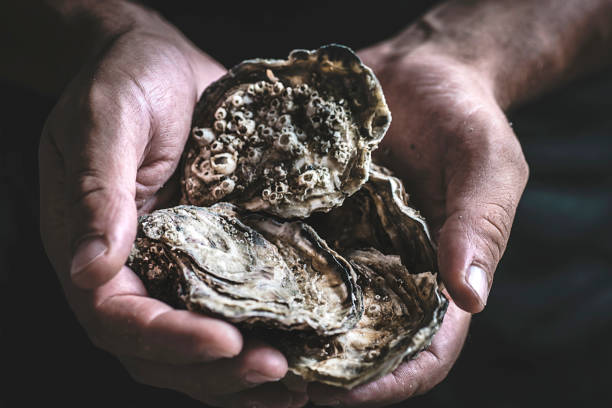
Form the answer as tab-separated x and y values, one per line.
380	216
389	246
248	268
402	313
288	137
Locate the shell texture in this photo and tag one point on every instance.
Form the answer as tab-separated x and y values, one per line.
402	313
211	260
287	137
349	291
379	216
387	243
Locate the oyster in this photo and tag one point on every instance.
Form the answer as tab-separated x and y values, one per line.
388	244
247	268
379	216
293	138
402	313
287	137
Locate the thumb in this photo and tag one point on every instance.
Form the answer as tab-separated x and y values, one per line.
100	167
102	228
480	210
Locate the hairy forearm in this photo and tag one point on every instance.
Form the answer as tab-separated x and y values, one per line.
45	42
521	47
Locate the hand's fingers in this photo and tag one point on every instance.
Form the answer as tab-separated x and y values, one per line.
212	382
483	191
125	321
411	378
101	150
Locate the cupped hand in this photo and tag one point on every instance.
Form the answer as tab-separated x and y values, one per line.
411	378
464	169
462	165
107	153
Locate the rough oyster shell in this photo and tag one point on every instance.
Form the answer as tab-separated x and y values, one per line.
402	313
288	137
379	216
403	303
248	268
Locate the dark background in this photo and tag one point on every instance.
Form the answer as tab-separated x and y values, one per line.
545	336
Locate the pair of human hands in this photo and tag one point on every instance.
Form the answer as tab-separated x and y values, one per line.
110	148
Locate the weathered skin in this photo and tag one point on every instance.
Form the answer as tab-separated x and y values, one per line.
288	137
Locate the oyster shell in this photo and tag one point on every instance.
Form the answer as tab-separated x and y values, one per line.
287	137
402	313
293	138
380	216
388	244
247	268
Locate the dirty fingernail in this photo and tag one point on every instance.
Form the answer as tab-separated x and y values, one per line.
477	279
88	251
254	377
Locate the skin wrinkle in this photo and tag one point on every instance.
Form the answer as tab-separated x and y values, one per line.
507	69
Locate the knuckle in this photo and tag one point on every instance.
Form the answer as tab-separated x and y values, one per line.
88	183
124	99
513	157
523	170
495	230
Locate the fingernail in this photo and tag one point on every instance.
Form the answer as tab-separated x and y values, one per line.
87	251
477	279
254	377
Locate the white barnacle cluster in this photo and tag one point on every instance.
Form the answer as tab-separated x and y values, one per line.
273	142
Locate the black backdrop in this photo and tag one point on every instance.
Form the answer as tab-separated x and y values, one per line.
543	339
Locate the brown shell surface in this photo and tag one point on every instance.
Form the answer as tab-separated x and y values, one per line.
349	292
402	312
247	268
380	216
288	137
388	244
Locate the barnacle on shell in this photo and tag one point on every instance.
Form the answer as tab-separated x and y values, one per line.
349	291
287	137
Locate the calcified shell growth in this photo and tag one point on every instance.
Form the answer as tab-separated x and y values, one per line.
288	137
349	291
280	274
387	243
356	308
379	216
402	313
